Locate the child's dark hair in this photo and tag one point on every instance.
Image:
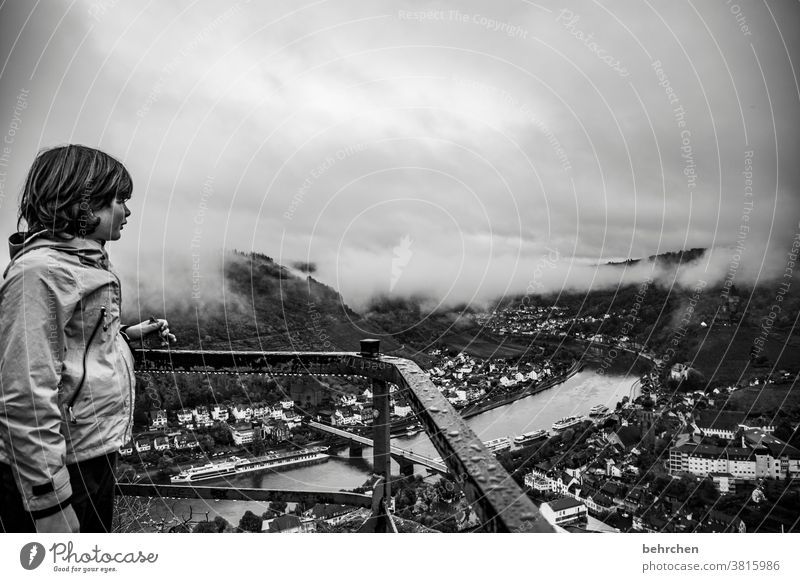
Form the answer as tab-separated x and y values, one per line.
66	184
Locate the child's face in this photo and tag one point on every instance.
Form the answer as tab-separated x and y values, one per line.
112	217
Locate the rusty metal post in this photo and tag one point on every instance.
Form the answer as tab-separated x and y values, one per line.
382	460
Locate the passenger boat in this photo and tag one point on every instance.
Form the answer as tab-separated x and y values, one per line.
235	465
498	445
567	422
598	410
529	437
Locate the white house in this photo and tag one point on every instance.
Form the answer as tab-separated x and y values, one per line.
564	511
402	411
185	416
161	443
158	419
219	412
201	417
242	413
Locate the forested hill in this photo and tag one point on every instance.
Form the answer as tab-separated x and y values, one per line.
666	260
266	306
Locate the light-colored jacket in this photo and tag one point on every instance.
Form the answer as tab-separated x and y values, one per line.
66	374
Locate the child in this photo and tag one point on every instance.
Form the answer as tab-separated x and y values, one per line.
66	373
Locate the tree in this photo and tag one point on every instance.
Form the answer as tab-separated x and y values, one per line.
258	447
207	443
221	523
166	466
221	434
205	527
250	522
278	506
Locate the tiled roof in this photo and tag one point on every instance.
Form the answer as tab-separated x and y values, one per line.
719	419
283	523
776	446
564	503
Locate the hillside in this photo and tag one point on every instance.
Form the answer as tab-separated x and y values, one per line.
714	331
267	307
666	260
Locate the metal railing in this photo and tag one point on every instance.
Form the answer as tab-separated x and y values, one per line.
497	500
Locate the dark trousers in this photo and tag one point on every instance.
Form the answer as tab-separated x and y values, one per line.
92	497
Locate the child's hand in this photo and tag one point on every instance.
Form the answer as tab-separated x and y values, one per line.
160	326
149	327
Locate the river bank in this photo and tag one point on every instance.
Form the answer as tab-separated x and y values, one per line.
481	407
573	396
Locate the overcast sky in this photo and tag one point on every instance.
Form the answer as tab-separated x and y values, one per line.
453	149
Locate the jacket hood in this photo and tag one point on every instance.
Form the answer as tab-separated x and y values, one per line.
91	250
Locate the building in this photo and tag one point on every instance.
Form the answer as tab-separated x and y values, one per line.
242	433
242	413
784	459
201	417
402	411
184	441
276	430
329	513
142	445
158	419
161	443
564	511
261	410
702	460
539	482
219	412
185	417
719	423
724	482
287	524
679	372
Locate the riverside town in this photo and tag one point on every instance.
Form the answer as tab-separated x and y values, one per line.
606	418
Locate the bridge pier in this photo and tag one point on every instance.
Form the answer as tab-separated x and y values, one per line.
356	449
406	467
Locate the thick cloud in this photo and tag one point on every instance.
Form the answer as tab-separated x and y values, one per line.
432	149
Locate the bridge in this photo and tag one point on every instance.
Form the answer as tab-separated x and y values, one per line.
406	459
494	496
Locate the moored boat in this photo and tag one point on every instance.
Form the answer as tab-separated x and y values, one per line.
236	465
567	422
498	445
529	437
598	410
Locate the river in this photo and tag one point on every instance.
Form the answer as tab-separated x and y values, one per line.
574	396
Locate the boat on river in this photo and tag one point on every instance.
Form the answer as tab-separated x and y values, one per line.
529	437
567	422
235	465
598	410
498	445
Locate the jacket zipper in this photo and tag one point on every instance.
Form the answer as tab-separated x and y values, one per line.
74	398
132	384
